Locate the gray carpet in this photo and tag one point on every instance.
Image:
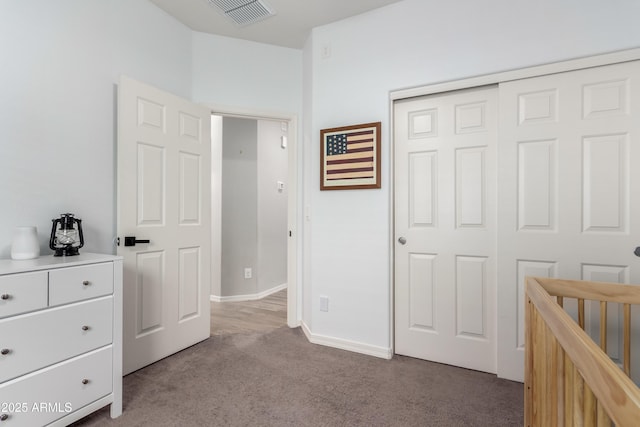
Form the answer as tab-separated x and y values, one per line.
280	379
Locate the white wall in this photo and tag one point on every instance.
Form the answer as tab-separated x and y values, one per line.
412	43
60	66
254	211
272	206
241	74
239	205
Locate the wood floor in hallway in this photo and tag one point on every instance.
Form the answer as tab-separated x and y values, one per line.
239	317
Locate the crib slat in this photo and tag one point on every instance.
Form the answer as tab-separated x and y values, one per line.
578	398
589	407
603	418
529	374
627	339
552	384
569	385
542	375
603	326
560	385
581	313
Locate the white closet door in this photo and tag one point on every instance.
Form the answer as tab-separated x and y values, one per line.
445	277
569	192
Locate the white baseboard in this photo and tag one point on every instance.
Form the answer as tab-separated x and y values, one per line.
356	347
251	297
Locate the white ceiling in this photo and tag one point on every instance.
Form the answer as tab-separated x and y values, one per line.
290	26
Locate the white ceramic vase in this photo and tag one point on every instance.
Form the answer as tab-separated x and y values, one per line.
25	243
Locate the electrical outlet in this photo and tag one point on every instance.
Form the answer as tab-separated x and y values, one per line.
324	303
248	273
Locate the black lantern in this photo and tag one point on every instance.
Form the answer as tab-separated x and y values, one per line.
66	238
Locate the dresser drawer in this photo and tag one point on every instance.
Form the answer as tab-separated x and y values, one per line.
35	340
80	283
44	396
20	293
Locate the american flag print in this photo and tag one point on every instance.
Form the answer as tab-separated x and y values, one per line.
350	155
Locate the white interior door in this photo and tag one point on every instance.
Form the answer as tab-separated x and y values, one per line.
569	191
164	196
445	250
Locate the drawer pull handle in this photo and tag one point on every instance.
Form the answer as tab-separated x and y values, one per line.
4	417
5	296
5	351
86	283
85	328
85	381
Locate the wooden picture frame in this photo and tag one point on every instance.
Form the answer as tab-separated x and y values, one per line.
350	157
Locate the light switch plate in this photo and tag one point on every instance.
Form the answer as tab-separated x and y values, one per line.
324	303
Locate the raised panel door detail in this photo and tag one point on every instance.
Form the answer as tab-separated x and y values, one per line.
190	197
526	268
422	189
150	292
189	126
470	118
538	107
421	292
423	124
444	208
151	184
605	99
605	183
471	296
151	115
537	182
189	286
470	187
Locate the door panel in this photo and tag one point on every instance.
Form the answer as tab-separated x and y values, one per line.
164	195
445	209
567	192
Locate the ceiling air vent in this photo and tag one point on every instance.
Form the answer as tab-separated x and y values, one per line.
244	12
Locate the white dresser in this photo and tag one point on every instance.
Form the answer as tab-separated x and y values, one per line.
60	339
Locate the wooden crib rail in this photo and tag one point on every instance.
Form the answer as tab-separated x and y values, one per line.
569	380
597	291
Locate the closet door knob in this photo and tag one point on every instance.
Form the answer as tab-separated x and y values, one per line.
85	381
86	283
85	328
5	296
5	351
4	417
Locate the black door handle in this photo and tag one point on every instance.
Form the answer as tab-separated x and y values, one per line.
637	251
131	241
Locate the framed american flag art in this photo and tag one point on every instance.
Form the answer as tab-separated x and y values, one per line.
350	157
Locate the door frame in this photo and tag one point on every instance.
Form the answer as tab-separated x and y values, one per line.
468	83
294	295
